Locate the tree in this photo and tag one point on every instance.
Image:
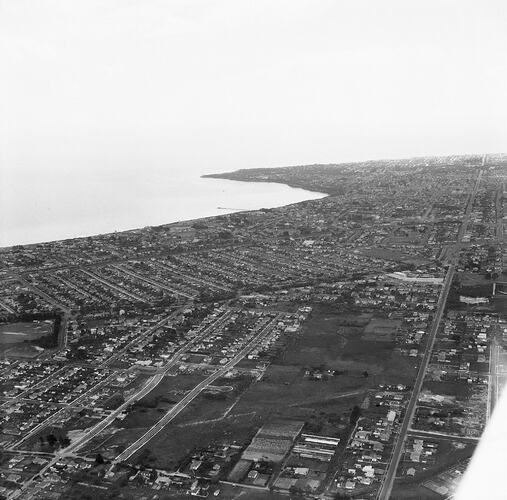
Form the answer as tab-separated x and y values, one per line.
354	415
297	492
51	439
64	441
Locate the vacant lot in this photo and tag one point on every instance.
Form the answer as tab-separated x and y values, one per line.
215	404
381	330
150	409
284	391
460	389
178	439
112	441
334	340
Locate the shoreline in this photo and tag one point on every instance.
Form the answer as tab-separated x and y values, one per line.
229	176
227	211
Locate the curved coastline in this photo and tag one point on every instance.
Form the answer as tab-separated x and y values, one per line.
236	176
198	200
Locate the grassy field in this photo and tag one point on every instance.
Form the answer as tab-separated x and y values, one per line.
215	404
113	441
285	392
13	333
334	339
150	409
180	437
207	419
460	389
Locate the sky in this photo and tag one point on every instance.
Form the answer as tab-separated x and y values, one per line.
116	86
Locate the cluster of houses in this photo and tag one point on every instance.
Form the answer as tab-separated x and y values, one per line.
455	395
369	448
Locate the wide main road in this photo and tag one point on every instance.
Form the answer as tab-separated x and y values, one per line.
181	405
387	483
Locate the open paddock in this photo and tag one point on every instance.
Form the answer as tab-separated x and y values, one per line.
13	333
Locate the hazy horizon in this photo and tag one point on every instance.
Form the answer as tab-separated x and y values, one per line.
143	90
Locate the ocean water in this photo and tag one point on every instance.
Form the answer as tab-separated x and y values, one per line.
40	208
